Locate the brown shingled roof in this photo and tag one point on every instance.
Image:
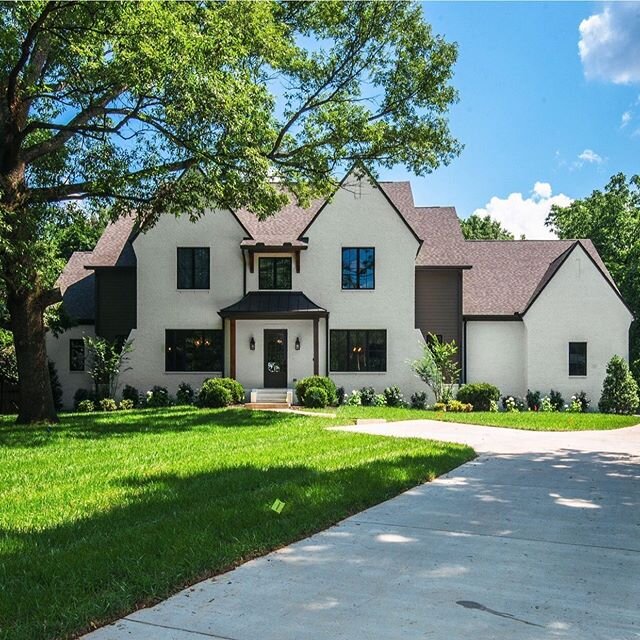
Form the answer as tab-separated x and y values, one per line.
113	248
77	287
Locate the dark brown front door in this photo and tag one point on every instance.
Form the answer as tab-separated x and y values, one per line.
275	358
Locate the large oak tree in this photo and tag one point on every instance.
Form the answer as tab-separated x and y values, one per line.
172	107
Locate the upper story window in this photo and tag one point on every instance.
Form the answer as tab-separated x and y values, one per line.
193	267
358	268
194	350
358	350
76	354
577	358
274	273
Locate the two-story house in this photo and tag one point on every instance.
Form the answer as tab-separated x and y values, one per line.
348	287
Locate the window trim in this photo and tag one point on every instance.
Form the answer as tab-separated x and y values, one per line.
357	250
193	268
273	259
194	371
84	355
367	331
586	358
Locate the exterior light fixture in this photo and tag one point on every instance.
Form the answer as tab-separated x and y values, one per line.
297	344
252	344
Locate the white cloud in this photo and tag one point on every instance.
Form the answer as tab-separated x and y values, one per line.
626	119
609	43
525	215
590	156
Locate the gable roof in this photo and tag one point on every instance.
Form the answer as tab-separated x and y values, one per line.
114	249
77	286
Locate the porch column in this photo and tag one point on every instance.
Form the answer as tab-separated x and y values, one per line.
316	362
232	348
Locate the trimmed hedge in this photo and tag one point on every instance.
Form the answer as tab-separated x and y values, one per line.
479	394
214	394
317	381
315	397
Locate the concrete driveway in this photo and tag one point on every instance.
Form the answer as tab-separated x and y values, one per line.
539	537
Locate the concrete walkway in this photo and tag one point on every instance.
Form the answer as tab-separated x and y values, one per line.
539	537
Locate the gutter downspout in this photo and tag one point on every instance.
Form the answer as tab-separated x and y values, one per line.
464	351
326	343
244	273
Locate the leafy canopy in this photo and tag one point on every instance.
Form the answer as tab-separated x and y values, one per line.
476	227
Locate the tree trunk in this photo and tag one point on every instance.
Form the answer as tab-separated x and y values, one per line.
27	323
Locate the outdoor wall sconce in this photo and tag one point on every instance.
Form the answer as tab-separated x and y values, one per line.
297	344
252	344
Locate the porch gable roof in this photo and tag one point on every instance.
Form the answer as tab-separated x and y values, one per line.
274	304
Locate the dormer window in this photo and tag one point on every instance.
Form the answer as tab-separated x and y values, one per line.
274	273
193	267
358	268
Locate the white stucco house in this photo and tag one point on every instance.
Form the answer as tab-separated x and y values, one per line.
349	288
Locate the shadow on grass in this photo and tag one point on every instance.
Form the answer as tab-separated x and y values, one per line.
74	426
170	530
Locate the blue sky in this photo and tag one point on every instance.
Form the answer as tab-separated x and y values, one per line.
533	110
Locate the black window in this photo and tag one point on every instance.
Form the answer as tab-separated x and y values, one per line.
358	350
194	350
193	267
577	358
76	355
358	268
274	273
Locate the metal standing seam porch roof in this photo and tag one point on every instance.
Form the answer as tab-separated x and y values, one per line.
274	304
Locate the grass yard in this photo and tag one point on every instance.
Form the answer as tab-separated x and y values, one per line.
106	512
530	420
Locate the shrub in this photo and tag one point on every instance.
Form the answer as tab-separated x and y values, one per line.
419	400
584	400
353	400
214	393
394	396
379	400
107	404
493	406
126	404
80	395
234	388
131	393
341	393
56	387
619	390
556	400
439	406
315	397
158	397
455	406
185	394
317	381
513	403
367	396
86	406
575	406
546	405
438	367
533	399
479	394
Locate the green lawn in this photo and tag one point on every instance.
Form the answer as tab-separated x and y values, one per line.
531	420
106	512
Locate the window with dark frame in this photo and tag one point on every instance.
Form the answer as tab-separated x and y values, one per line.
274	273
193	267
76	354
358	349
577	358
194	350
358	268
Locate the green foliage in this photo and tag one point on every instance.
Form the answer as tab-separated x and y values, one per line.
107	404
546	405
379	400
455	406
315	397
317	381
105	362
86	406
353	399
556	400
126	404
131	393
214	393
8	364
394	396
619	389
185	394
583	399
367	396
533	400
479	394
81	395
158	397
419	400
513	404
56	387
438	368
235	389
610	219
476	227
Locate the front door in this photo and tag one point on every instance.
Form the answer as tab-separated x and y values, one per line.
275	358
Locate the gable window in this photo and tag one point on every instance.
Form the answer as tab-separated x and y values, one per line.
274	273
577	358
358	268
76	354
358	350
193	267
194	350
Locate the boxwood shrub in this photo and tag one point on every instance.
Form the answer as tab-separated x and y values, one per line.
479	394
317	381
214	393
315	397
